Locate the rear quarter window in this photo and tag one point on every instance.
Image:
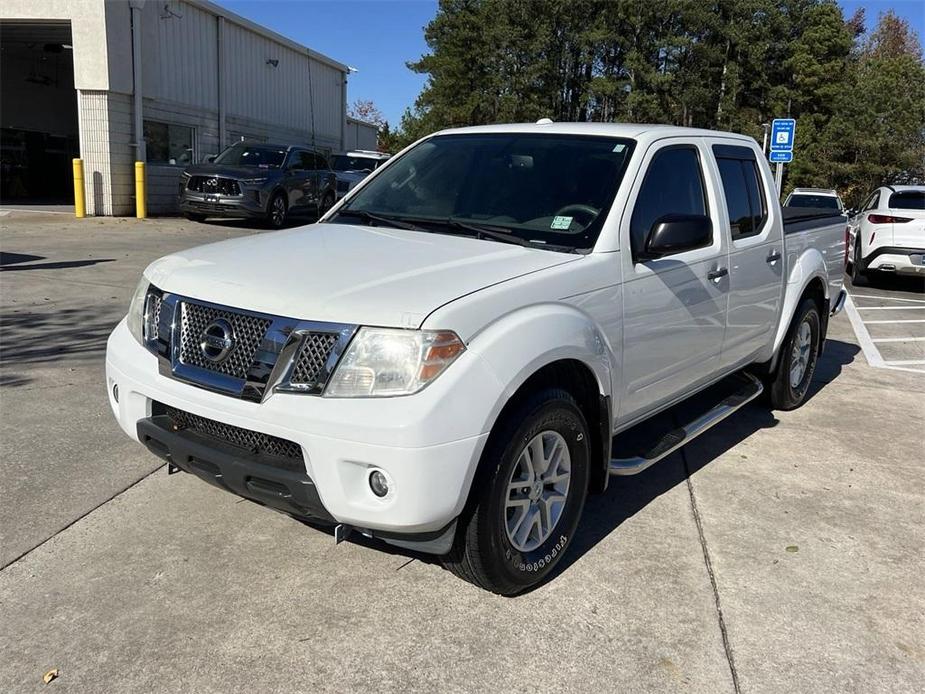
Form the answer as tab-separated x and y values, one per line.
908	200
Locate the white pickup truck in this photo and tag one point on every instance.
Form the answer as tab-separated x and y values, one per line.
462	349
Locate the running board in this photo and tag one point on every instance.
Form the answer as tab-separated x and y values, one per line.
747	388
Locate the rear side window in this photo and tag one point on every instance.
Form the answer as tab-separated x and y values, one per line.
822	201
673	185
908	200
872	202
742	189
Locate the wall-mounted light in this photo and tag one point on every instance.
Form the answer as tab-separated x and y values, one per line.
273	61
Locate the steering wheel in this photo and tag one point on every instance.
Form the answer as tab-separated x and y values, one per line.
578	210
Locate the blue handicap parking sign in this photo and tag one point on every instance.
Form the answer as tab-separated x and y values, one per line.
782	134
781	157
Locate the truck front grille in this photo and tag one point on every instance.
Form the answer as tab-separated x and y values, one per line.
279	452
248	333
214	185
316	349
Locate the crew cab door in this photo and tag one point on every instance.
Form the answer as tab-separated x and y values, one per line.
674	306
756	252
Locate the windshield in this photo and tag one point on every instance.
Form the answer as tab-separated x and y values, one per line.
803	200
908	200
262	156
543	189
343	162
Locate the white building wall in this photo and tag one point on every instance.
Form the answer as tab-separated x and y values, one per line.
361	135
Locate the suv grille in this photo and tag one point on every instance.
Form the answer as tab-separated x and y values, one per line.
316	349
288	453
248	334
215	185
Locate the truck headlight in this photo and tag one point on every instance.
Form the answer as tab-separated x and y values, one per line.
384	361
136	311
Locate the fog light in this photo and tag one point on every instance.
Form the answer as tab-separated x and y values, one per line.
115	391
379	483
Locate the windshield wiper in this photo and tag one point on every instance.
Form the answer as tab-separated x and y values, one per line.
380	219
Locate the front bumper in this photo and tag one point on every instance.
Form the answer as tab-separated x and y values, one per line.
250	204
427	444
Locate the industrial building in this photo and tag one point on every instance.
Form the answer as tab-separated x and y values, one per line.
165	82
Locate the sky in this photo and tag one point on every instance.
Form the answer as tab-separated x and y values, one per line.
377	37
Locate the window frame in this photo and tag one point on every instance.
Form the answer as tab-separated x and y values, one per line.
658	151
194	144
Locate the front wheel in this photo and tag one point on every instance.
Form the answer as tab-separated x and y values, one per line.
525	508
798	355
276	211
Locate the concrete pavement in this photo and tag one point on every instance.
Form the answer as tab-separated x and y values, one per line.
780	552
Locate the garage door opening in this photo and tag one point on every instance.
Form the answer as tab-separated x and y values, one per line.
38	113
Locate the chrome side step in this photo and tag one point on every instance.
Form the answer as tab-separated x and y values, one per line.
749	389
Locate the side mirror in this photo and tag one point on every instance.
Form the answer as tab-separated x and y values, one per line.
674	233
210	158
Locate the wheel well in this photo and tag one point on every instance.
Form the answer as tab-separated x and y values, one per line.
577	379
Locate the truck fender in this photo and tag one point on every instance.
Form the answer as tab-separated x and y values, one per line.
808	266
521	343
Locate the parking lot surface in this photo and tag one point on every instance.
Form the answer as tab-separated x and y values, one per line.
781	552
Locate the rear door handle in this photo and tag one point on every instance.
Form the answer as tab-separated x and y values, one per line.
717	274
773	257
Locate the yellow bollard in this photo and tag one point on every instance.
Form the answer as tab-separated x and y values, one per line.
80	205
141	210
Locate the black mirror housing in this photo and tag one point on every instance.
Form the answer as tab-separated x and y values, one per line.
674	233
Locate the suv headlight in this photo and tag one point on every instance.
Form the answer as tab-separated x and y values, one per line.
259	181
136	311
381	362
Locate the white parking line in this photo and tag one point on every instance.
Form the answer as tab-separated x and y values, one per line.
898	339
906	320
871	353
888	298
891	308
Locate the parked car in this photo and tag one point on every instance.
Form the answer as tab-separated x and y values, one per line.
466	346
352	167
888	233
823	198
256	180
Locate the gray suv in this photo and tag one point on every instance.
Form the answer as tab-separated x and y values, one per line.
258	180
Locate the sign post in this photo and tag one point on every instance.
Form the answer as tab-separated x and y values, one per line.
783	131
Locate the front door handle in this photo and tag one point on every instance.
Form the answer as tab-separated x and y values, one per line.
717	274
773	257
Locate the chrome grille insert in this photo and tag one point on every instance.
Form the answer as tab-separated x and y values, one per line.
315	352
241	353
248	334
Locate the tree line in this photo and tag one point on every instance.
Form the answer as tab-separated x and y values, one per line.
858	95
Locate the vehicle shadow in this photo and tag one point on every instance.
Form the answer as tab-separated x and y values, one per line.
888	282
258	225
10	262
627	496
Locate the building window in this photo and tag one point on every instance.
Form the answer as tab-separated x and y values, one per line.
167	143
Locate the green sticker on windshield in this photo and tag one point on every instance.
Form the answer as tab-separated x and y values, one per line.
561	223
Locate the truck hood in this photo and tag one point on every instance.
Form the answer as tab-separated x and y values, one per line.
345	273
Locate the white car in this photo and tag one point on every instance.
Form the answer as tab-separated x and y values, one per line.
819	198
352	167
888	234
462	349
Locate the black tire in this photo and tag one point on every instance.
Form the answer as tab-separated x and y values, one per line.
856	271
200	218
483	552
326	204
277	211
785	394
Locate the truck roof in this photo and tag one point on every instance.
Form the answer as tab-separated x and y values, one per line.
628	130
814	191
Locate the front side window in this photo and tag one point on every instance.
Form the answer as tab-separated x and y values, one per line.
673	185
544	189
166	143
249	154
908	200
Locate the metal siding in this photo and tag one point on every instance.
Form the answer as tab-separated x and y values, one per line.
184	66
280	95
